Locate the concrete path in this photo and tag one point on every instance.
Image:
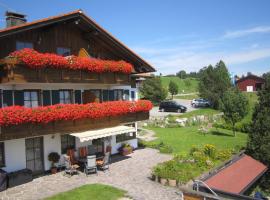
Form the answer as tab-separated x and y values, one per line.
148	135
131	174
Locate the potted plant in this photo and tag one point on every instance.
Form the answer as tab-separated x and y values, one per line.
53	157
125	149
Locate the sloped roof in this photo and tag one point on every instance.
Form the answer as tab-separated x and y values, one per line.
238	176
63	17
251	76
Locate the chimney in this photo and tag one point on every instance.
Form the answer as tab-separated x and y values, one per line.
14	19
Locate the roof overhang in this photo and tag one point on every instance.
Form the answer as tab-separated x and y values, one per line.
78	14
102	133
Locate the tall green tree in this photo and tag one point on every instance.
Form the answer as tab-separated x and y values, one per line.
182	74
234	105
173	88
214	82
152	89
258	145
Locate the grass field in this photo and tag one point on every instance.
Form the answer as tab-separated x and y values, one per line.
182	139
93	191
187	85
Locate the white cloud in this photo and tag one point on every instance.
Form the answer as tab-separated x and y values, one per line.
192	55
193	61
245	32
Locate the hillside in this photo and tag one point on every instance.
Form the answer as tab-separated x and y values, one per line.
188	85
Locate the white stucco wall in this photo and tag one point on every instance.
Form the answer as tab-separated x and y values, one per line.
15	155
51	143
116	146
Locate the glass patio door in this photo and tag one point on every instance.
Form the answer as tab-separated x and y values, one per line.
34	154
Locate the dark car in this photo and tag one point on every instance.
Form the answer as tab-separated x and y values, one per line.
196	103
171	106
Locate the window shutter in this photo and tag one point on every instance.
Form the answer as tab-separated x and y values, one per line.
55	97
18	98
78	96
7	98
46	98
111	95
105	95
132	95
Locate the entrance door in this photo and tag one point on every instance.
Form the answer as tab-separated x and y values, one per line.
249	88
34	154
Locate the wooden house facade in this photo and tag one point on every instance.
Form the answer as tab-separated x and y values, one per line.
27	145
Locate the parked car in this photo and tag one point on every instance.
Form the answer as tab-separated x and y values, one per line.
196	103
171	106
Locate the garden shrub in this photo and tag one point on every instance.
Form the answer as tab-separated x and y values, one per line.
224	154
210	150
165	149
193	149
183	168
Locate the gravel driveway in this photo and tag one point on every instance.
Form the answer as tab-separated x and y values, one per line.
131	174
155	112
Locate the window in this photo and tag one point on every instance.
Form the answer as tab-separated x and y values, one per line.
65	96
96	94
126	95
118	95
105	95
2	154
125	137
132	95
67	142
98	145
22	45
63	51
30	99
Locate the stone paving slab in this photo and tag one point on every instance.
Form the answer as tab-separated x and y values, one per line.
131	174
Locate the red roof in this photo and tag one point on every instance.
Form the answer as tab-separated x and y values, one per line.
237	177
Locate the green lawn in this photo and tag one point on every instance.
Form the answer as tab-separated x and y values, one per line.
93	191
182	139
188	85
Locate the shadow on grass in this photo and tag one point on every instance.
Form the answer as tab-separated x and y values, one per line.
219	133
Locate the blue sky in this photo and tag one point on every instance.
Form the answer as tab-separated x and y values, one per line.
175	35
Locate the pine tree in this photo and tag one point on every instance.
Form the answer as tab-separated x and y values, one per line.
259	137
214	82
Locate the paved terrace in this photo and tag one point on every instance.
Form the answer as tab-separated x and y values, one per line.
131	174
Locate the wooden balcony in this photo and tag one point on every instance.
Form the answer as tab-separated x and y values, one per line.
64	127
13	72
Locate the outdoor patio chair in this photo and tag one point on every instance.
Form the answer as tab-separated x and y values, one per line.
105	162
69	168
90	165
82	152
71	154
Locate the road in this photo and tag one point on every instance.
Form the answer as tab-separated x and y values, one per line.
155	112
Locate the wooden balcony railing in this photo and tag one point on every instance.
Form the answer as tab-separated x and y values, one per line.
68	126
12	71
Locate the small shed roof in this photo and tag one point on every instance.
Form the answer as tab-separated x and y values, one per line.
251	76
238	176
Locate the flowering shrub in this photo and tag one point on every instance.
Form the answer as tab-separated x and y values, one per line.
36	60
15	115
